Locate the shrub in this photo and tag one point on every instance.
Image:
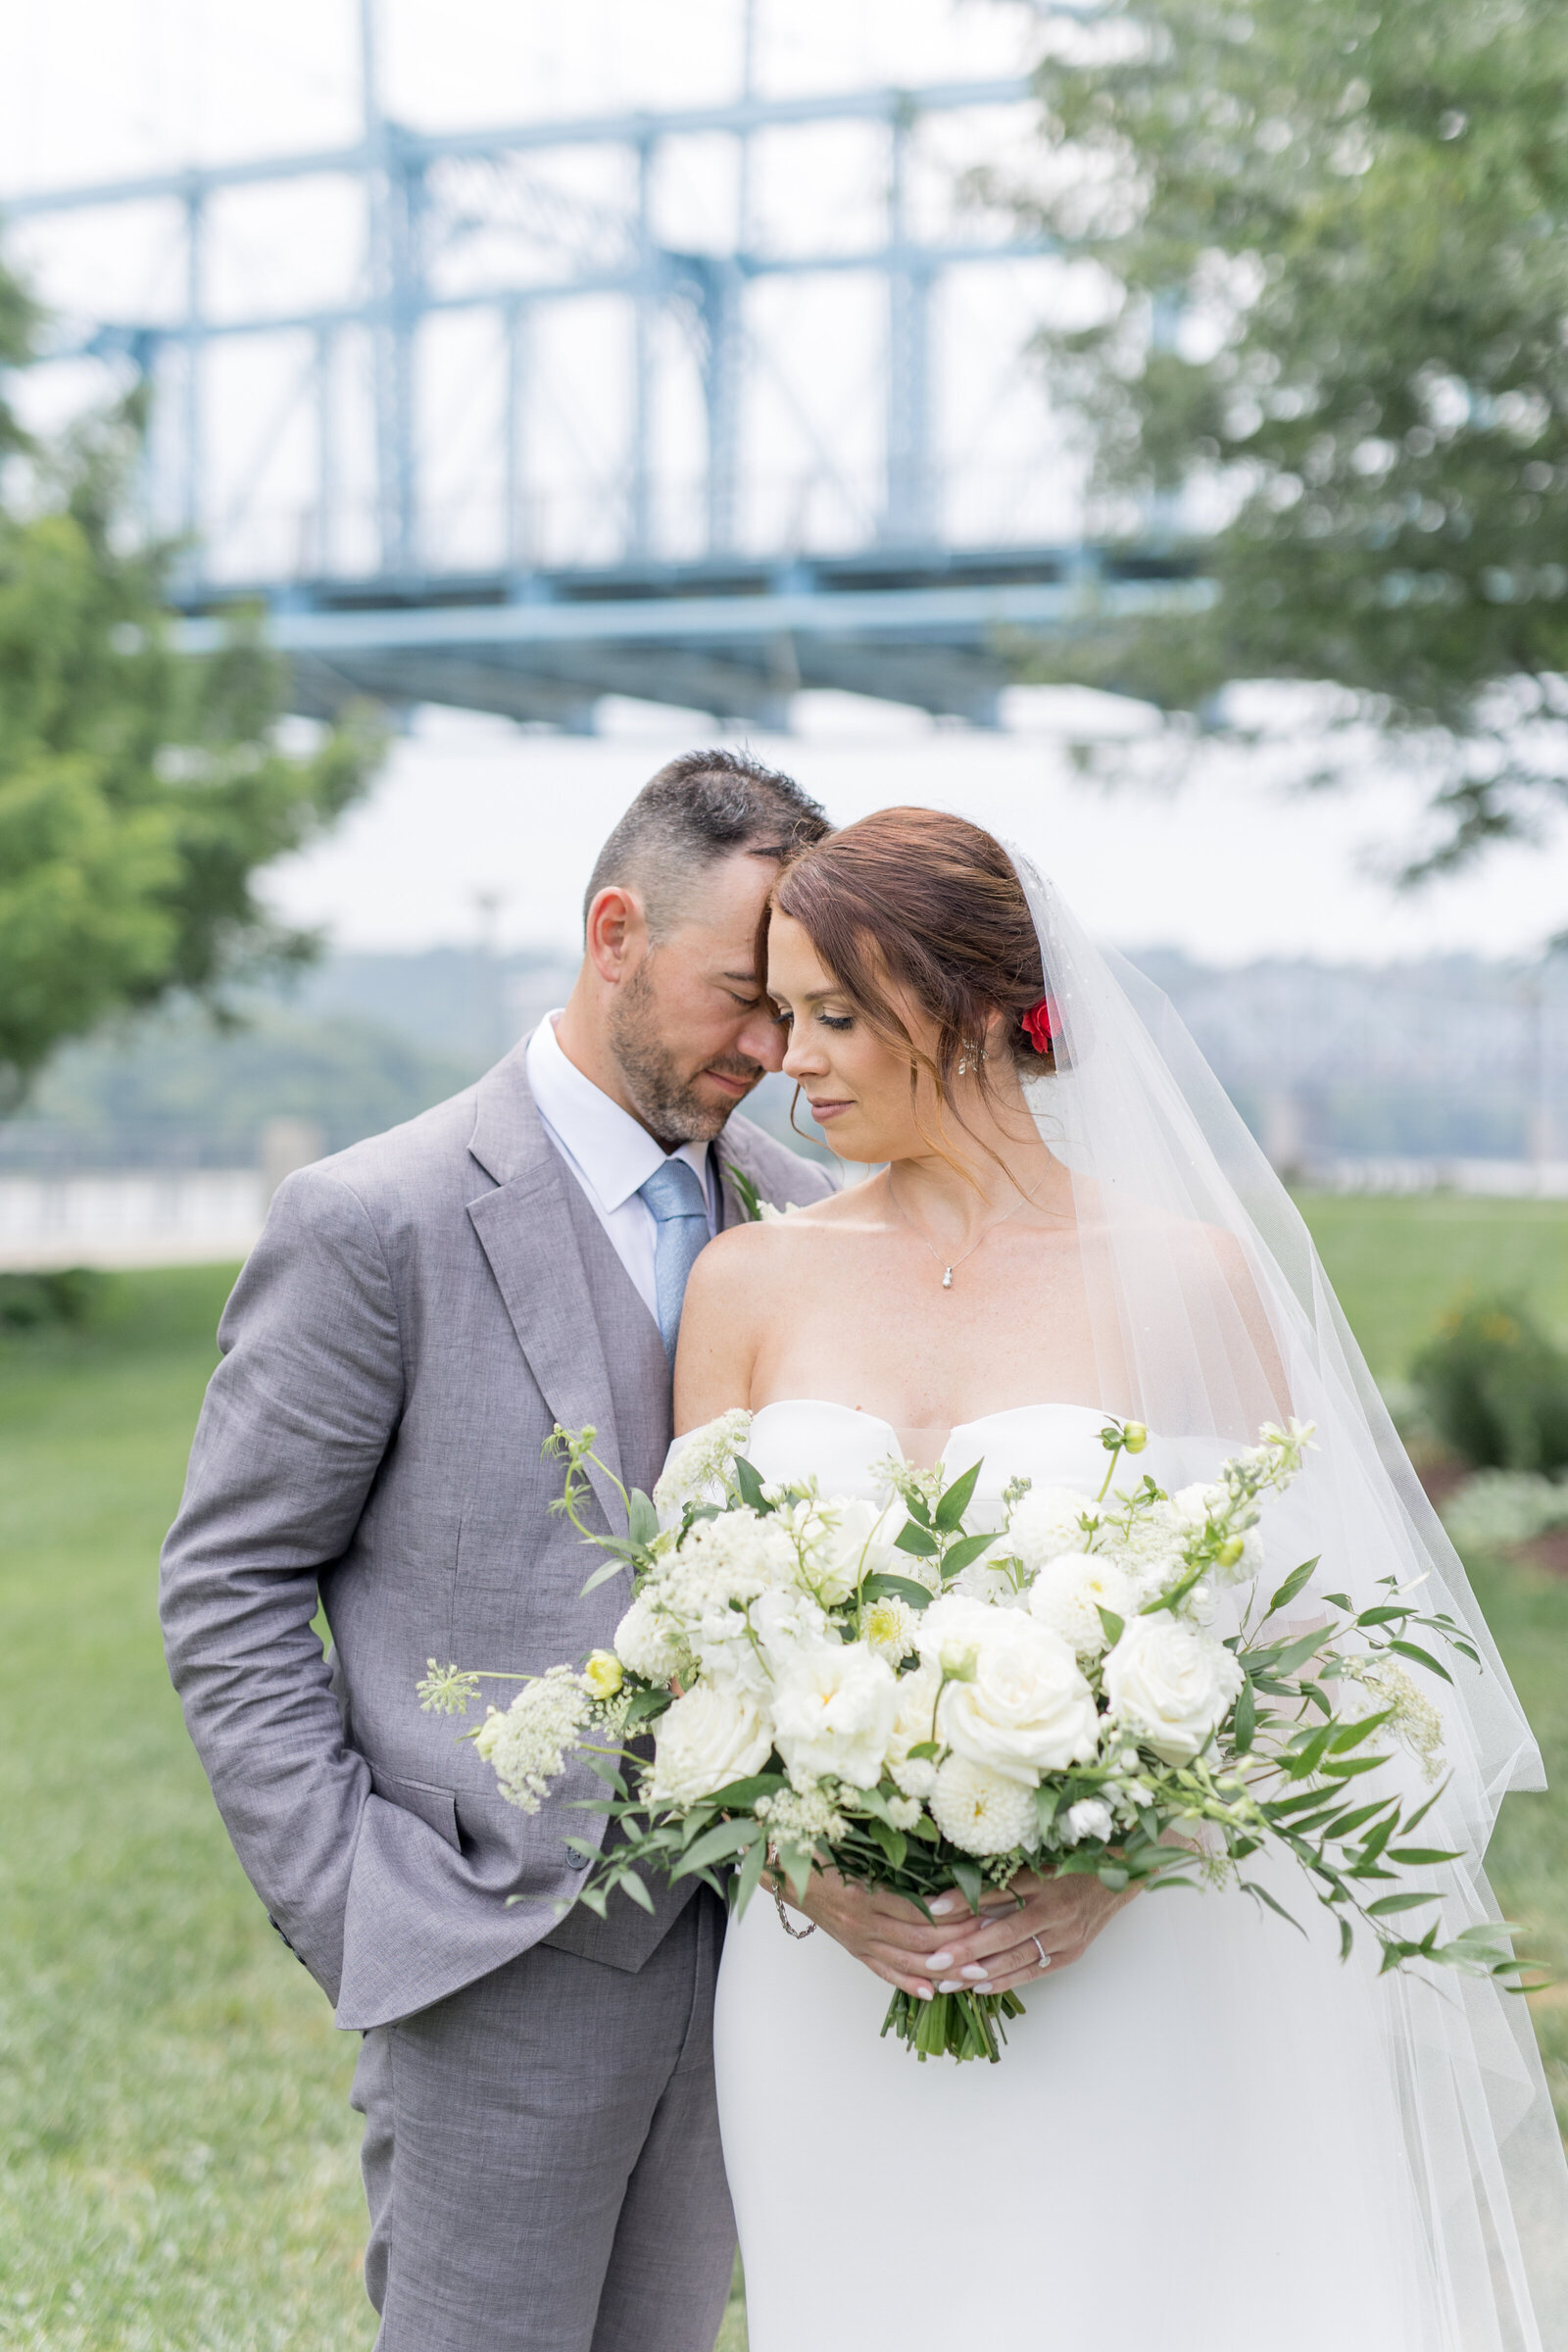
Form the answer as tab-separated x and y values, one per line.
69	1296
1498	1508
1495	1388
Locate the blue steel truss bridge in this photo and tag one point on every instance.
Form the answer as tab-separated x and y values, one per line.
703	407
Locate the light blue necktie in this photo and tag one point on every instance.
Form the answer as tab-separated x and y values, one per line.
675	1193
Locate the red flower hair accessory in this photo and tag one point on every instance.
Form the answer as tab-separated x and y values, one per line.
1037	1024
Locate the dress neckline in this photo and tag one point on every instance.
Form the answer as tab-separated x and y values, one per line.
1011	1412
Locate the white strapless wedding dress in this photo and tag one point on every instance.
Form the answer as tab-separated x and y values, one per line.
1191	2142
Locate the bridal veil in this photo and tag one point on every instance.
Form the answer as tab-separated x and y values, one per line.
1211	1313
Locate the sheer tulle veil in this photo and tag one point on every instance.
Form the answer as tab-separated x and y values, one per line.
1211	1313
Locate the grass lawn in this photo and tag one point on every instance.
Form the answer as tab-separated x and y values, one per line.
177	2161
1397	1264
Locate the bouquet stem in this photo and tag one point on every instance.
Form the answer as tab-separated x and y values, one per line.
954	2025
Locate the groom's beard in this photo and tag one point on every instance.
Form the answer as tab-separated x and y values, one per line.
666	1100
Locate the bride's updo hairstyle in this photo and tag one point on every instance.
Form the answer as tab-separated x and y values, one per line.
918	900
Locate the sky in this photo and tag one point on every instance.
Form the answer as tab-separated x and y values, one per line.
1232	866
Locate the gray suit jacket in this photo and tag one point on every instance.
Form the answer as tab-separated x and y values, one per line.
418	1313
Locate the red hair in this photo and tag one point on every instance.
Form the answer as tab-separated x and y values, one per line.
932	905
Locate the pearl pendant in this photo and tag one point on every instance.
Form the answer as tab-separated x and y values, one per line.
946	1278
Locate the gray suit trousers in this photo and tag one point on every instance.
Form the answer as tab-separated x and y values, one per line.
542	2157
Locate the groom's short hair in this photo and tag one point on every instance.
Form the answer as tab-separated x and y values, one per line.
700	808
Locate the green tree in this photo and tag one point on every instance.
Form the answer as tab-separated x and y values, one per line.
1333	244
141	791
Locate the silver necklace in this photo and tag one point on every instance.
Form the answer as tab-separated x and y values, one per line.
1027	1201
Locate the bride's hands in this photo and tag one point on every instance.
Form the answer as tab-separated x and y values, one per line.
992	1953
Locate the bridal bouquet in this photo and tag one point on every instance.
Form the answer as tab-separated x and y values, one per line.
918	1703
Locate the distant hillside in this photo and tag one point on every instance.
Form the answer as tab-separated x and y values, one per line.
1451	1058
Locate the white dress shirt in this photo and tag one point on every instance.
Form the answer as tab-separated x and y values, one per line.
609	1153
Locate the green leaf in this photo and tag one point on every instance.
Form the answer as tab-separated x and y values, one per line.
745	1192
1382	1615
726	1837
646	1705
927	1751
914	1540
737	1794
1354	1733
968	1879
1387	1903
956	1500
883	1586
796	1861
1296	1653
1244	1723
1115	1626
642	1518
748	1878
1347	1940
1250	1886
1293	1584
1422	1657
748	1486
602	1576
634	1887
893	1842
959	1556
1422	1857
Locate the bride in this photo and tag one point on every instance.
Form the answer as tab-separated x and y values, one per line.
1206	2132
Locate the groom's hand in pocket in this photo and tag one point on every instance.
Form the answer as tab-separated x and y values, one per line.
1039	1924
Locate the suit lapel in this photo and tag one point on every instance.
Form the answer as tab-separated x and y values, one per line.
527	1231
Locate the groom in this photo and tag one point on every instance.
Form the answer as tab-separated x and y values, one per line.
541	2148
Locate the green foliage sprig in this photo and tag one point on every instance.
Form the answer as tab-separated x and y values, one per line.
1335	243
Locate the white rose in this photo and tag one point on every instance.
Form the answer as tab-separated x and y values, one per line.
1170	1685
704	1741
834	1704
1070	1593
980	1810
914	1725
647	1645
1046	1522
1026	1708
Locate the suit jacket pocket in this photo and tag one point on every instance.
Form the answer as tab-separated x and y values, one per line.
437	1806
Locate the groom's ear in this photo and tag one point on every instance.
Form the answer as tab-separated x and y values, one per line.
617	939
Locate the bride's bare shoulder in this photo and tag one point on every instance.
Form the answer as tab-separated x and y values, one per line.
769	1244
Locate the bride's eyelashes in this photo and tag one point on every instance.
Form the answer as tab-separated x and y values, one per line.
836	1020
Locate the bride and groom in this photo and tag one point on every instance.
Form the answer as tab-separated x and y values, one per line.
1207	2133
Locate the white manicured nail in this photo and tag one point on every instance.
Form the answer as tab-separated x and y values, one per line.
950	1984
943	1905
974	1968
942	1959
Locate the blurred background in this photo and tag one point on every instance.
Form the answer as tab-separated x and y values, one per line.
1140	426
